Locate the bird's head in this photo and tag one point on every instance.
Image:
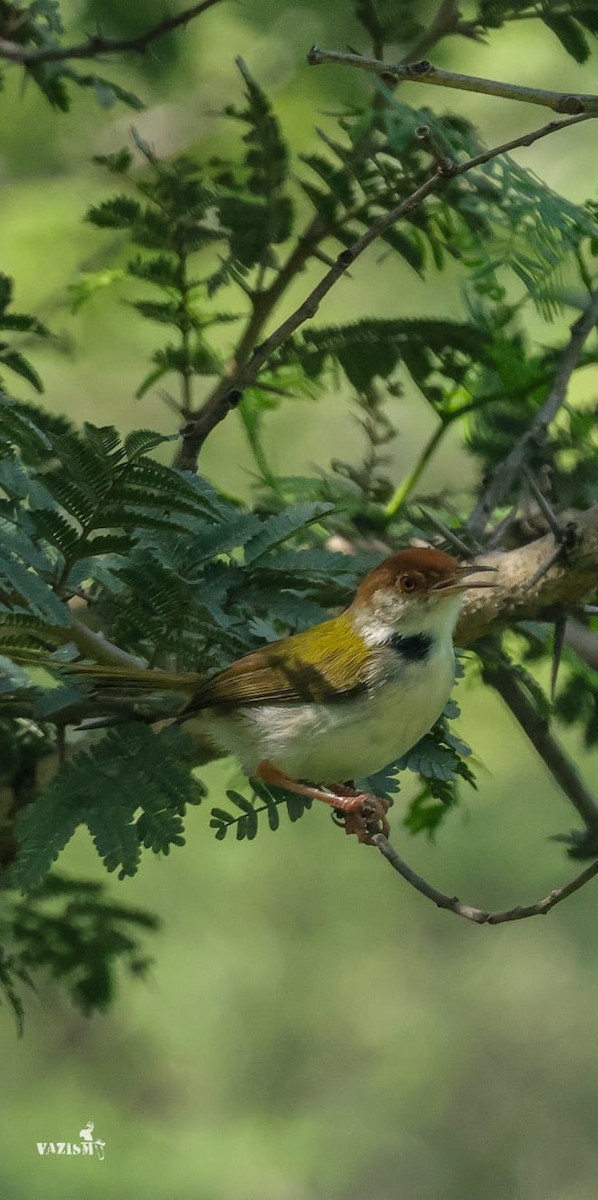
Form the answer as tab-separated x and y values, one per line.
415	590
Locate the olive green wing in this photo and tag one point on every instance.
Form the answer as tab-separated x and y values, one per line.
323	664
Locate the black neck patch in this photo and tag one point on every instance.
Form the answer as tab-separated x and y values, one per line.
412	647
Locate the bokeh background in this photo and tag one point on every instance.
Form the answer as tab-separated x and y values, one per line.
311	1027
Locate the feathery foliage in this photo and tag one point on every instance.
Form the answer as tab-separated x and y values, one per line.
69	930
97	532
39	26
130	789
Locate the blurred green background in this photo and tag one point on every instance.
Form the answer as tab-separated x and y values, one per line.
311	1027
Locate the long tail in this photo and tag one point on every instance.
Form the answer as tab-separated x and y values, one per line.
133	678
113	680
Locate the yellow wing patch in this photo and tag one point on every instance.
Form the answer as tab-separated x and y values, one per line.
325	663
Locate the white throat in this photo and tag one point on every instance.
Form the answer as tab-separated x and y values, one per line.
434	618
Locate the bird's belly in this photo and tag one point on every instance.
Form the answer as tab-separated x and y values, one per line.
347	739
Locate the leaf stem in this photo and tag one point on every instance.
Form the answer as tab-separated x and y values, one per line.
407	485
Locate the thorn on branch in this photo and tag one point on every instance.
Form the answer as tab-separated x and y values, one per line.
567	537
448	534
543	504
443	162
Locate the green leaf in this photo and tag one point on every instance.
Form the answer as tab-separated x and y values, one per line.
107	92
586	14
17	363
140	441
569	33
120	212
72	930
119	162
34	595
282	526
131	768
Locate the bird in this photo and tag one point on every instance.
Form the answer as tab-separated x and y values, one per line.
340	701
333	704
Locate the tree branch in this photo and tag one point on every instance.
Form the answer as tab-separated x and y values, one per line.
425	72
238	377
94	645
566	585
583	641
505	474
478	915
499	674
97	45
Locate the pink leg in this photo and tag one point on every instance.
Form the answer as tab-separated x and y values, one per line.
361	812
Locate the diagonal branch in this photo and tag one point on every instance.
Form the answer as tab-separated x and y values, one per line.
97	45
425	72
498	673
503	477
478	915
217	407
583	641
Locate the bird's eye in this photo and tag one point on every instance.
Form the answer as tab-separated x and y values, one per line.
408	583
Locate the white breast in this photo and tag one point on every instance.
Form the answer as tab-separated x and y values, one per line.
347	739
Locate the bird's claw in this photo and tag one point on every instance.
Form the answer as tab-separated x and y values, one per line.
363	815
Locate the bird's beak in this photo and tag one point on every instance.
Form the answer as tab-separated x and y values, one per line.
460	581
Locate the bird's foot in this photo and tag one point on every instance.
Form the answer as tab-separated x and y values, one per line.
361	814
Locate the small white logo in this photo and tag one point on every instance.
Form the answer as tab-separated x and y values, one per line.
87	1145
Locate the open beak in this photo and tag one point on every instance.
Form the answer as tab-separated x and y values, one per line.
460	581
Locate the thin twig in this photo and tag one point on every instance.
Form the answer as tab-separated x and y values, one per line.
216	405
242	373
447	419
504	475
444	163
425	72
95	645
448	534
543	503
478	915
97	44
